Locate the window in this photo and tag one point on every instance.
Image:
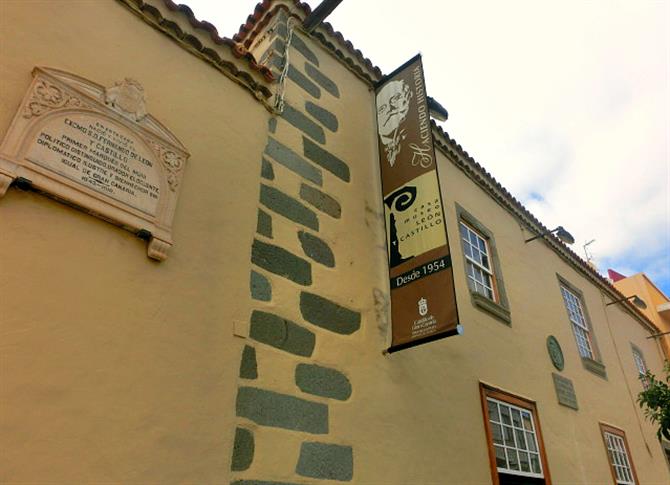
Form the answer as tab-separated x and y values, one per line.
640	365
579	325
515	440
581	328
618	455
482	267
478	262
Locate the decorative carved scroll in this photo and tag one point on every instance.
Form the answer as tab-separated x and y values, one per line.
98	149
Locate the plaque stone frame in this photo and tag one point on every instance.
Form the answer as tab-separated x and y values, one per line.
99	150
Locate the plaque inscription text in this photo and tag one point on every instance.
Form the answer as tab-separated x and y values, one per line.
98	149
102	155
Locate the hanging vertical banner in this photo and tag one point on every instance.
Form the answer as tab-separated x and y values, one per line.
423	301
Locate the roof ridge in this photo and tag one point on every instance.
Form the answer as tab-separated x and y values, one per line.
213	34
246	33
556	244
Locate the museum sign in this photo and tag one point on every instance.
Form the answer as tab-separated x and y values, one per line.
423	301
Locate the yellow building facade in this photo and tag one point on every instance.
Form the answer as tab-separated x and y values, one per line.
657	303
248	348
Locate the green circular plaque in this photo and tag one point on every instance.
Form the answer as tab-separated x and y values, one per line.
555	352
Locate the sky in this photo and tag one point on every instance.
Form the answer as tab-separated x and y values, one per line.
566	103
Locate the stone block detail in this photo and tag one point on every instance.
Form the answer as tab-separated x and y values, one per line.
269	408
260	287
261	482
303	81
322	381
294	162
316	249
282	30
288	207
281	333
249	366
272	125
264	224
279	45
324	202
277	61
326	461
267	172
281	262
303	123
301	47
322	80
325	159
326	314
243	450
325	117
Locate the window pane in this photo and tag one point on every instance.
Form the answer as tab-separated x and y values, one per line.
616	451
513	459
509	436
501	461
535	463
504	413
514	444
531	441
524	461
493	411
496	430
520	439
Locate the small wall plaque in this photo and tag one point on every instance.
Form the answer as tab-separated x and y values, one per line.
555	353
565	391
97	149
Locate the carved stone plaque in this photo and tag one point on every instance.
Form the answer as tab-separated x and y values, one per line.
98	149
565	391
555	353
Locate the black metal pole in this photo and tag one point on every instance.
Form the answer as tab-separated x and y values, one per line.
324	9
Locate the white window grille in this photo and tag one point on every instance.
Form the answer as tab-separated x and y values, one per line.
641	367
579	325
616	449
514	439
478	262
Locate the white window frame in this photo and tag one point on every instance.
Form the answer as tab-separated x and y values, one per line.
639	362
641	365
580	327
487	273
619	459
515	431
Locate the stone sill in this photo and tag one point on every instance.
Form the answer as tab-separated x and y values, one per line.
494	309
594	366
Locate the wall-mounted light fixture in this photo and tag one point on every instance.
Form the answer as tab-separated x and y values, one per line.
561	234
656	335
436	110
635	300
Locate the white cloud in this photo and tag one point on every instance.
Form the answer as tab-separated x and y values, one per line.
566	103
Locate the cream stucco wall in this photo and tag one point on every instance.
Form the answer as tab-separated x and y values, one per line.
116	368
638	284
113	367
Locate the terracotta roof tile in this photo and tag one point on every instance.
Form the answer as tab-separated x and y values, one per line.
473	168
247	32
237	50
483	176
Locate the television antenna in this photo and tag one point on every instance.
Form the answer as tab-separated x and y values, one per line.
587	253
